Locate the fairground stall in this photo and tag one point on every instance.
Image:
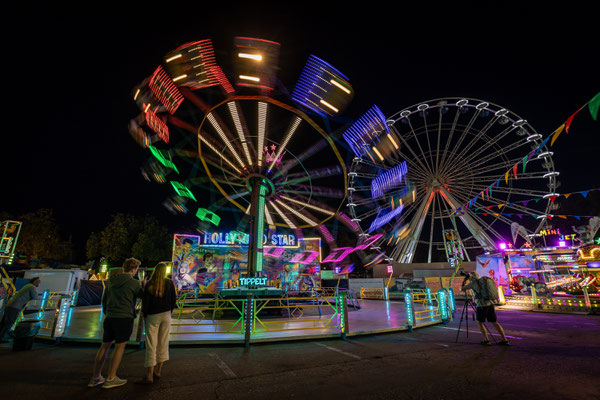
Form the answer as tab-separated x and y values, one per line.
561	278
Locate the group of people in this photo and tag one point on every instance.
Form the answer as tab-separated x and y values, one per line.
119	306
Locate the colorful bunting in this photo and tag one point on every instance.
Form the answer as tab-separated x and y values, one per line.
570	120
585	193
515	170
524	163
506	177
520	216
556	134
594	105
525	202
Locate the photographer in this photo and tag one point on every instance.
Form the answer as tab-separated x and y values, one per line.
484	306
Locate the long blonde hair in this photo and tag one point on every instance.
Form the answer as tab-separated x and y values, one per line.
156	284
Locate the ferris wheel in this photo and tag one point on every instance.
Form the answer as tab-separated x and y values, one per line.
410	175
239	134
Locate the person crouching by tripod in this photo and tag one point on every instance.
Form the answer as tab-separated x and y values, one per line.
484	307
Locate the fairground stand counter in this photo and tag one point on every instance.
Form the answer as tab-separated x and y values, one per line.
554	279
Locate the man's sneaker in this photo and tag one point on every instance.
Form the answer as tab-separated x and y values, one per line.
96	381
504	343
114	382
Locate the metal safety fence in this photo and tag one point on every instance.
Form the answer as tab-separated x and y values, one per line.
424	307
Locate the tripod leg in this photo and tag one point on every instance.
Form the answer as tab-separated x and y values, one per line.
460	323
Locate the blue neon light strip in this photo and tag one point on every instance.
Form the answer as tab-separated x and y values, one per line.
364	133
315	84
385	218
388	180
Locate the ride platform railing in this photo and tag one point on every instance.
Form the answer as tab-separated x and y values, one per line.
195	314
373	293
425	308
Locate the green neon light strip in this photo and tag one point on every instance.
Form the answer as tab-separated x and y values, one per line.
206	215
260	224
162	159
182	190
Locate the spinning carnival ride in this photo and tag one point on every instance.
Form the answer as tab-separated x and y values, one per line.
263	153
412	171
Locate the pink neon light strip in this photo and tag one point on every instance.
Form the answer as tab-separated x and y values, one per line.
157	125
163	87
338	254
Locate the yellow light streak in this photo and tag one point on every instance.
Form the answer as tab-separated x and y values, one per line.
238	127
210	146
137	92
250	78
215	125
393	141
298	214
176	56
256	57
378	153
287	138
180	77
336	83
282	215
328	105
308	205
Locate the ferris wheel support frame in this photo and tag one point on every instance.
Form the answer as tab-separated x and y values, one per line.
407	251
478	233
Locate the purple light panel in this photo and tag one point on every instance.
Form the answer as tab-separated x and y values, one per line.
322	88
348	221
385	218
364	133
326	234
388	180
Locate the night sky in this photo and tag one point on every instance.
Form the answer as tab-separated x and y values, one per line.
67	92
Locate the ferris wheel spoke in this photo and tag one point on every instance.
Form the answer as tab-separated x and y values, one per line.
488	227
225	135
492	142
415	156
464	134
481	134
428	141
288	136
428	167
448	140
204	140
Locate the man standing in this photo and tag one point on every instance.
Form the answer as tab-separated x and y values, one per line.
118	305
485	307
16	304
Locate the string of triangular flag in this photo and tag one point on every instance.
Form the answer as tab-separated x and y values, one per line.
552	198
593	106
522	214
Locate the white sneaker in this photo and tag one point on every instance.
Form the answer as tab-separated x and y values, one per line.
96	381
116	381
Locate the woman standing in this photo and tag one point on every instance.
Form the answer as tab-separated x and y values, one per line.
158	303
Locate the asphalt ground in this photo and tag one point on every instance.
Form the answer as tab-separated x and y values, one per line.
551	356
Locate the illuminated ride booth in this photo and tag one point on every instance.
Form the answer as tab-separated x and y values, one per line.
561	278
217	263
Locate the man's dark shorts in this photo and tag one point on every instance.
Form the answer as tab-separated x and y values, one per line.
117	329
486	313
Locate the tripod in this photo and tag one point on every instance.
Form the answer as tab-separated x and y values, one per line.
465	315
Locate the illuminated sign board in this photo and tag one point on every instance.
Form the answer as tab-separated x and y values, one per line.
253	281
242	239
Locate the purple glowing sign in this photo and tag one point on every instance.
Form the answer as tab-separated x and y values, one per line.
306	257
369	241
388	180
338	254
502	246
390	269
562	243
